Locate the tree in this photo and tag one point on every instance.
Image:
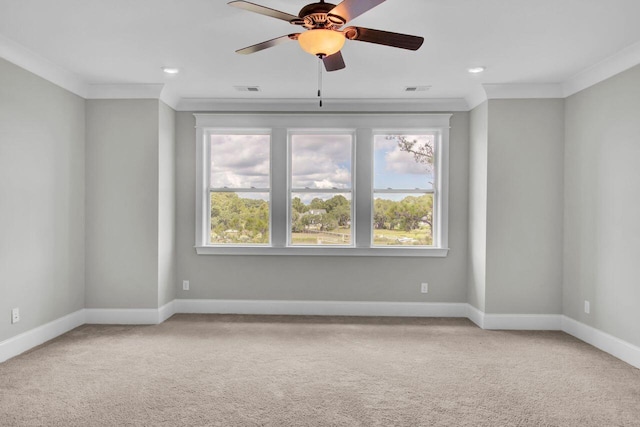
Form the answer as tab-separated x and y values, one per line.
297	225
248	217
317	203
298	206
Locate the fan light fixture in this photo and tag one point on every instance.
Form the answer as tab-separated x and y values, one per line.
321	42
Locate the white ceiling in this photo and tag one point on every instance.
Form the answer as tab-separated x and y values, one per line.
127	42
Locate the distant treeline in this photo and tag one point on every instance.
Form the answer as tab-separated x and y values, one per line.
236	219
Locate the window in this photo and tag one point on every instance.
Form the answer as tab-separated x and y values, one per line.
239	188
320	189
323	184
403	189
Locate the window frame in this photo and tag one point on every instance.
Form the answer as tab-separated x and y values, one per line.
363	125
290	189
206	239
435	191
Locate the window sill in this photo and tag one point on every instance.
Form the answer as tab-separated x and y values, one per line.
325	251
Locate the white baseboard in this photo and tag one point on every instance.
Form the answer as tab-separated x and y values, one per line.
129	316
166	311
475	315
36	336
523	322
608	343
616	347
322	308
518	322
597	338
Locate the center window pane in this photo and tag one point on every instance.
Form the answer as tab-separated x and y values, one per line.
321	182
321	161
320	219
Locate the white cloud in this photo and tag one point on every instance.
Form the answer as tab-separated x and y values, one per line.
321	161
325	183
402	162
240	161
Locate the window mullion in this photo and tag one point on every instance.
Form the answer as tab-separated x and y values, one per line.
202	183
362	187
279	188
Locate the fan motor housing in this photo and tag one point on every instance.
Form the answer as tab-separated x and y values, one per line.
313	8
316	15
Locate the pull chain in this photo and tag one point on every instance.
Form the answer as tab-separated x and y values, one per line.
320	79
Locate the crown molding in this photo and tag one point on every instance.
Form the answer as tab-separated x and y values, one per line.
41	67
133	91
623	60
523	91
21	56
329	105
476	97
125	91
170	98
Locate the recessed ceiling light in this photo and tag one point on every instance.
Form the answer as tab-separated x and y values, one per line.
476	70
171	70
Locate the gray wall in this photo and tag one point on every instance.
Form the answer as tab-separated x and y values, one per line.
166	205
478	151
122	204
525	206
323	278
41	200
602	206
528	178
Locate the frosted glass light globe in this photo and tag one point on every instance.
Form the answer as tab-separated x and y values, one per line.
321	42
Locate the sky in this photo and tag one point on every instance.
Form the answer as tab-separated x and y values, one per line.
240	161
398	169
321	161
318	162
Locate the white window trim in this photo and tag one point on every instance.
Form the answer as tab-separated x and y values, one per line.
362	164
440	234
351	190
206	151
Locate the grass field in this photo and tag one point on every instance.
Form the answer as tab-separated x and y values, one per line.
337	237
420	237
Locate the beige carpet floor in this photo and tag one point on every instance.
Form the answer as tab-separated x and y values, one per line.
214	370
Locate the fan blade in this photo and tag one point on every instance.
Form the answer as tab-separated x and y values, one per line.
403	41
265	45
334	62
350	9
252	7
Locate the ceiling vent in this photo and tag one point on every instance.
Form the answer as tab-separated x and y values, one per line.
247	88
417	88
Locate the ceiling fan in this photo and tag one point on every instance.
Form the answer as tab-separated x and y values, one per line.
324	35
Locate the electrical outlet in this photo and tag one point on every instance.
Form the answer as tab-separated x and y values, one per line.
587	307
424	288
15	315
185	285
